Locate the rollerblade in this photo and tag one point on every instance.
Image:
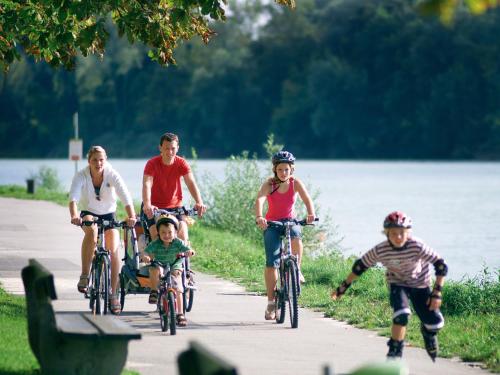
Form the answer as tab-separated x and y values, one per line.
395	349
431	342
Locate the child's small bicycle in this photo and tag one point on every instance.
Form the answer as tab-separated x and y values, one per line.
288	286
167	297
188	282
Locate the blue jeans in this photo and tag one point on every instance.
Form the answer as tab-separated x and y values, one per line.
272	243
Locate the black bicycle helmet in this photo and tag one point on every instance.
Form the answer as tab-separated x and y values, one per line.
283	157
397	219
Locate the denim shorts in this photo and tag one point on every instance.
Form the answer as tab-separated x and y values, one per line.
272	243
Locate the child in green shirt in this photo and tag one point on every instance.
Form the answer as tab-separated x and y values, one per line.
165	249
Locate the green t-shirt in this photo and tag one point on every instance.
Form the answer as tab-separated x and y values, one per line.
167	253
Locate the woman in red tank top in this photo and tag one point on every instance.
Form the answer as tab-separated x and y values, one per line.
280	192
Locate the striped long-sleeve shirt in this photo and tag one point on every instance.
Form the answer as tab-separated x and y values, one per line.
408	266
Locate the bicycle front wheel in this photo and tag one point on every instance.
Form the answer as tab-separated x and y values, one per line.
102	281
189	296
91	292
163	311
171	313
293	295
280	299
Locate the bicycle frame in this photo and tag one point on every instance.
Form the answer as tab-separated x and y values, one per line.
167	299
100	285
287	289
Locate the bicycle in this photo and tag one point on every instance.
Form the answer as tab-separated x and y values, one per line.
100	272
167	297
188	282
288	286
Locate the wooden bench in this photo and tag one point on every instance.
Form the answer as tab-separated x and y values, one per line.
71	343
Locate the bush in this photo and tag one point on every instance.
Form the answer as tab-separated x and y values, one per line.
47	179
479	295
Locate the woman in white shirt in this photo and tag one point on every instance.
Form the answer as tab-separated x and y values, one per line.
95	189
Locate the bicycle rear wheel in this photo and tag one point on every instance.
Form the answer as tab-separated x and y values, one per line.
292	281
102	281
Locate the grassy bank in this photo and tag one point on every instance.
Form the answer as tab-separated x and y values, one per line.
471	309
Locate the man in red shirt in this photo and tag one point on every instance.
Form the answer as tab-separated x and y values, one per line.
161	184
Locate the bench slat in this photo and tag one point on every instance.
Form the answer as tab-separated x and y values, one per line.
90	326
112	326
76	324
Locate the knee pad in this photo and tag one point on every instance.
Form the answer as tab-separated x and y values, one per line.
401	319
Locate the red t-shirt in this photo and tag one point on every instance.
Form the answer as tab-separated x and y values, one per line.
166	191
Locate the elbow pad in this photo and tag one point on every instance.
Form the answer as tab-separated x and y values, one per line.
441	268
358	268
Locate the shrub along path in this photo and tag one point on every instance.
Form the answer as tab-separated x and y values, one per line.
225	318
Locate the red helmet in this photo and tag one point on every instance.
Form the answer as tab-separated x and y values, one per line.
397	219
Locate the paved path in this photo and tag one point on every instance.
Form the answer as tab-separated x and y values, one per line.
225	318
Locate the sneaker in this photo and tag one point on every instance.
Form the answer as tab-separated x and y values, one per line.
431	342
301	277
395	349
153	297
270	313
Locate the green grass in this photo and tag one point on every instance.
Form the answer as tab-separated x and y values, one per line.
471	308
19	192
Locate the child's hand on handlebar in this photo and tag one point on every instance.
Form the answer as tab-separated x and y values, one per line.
190	253
146	259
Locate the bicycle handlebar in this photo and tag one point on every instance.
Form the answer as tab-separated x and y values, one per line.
183	210
155	262
106	223
290	222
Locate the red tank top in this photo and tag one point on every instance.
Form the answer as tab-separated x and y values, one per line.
281	205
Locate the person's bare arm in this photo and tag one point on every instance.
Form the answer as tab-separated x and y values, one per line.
147	184
259	205
195	193
306	198
73	211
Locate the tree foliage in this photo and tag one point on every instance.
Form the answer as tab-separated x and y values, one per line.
55	31
332	79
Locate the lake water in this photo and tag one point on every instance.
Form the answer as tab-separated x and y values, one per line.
455	206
